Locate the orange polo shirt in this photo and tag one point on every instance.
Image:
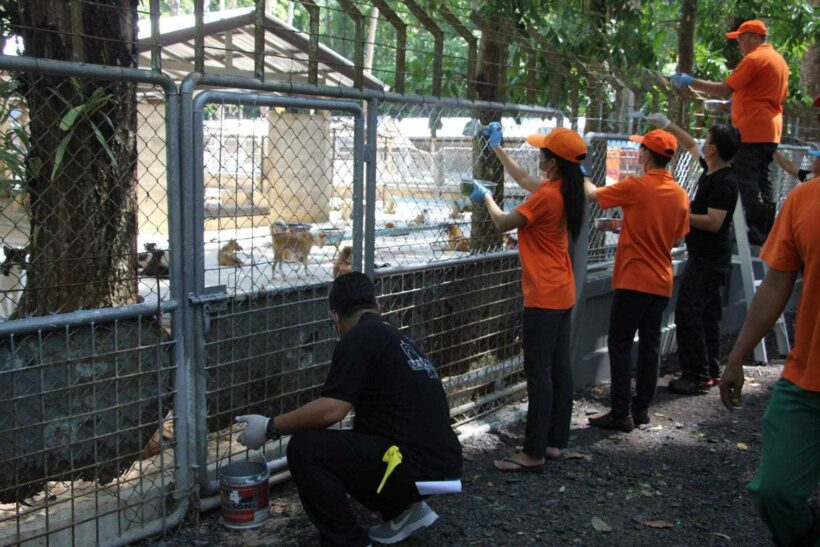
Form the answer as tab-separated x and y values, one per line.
794	244
656	215
543	248
760	83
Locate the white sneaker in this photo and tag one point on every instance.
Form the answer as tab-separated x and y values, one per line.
414	518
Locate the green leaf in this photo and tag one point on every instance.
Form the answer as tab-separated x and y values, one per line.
105	146
58	155
71	117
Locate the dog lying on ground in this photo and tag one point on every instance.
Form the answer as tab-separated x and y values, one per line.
227	254
344	262
292	246
455	239
12	279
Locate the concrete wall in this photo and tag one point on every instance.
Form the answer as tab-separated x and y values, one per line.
297	174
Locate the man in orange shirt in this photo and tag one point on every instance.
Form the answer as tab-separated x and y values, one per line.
758	86
656	216
790	453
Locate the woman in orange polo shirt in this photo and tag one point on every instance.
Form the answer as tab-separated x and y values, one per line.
553	211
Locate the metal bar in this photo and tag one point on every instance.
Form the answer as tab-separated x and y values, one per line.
313	47
156	48
84	317
217	80
401	40
259	40
199	36
349	7
438	42
472	48
358	191
371	157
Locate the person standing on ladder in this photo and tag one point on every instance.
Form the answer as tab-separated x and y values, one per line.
758	86
790	451
709	248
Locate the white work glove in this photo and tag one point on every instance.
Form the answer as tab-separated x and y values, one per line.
255	435
656	119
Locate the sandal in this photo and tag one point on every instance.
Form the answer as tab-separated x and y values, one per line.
521	468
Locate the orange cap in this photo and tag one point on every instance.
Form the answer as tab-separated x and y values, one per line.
562	142
755	26
659	141
817	101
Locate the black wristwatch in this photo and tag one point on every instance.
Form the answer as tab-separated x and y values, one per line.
271	432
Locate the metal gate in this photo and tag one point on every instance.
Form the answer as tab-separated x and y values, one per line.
281	180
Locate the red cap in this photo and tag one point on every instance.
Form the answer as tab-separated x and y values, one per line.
817	101
755	26
659	141
562	142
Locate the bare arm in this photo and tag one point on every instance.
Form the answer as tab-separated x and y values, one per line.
590	190
787	165
524	180
713	89
768	303
685	140
317	414
503	221
711	221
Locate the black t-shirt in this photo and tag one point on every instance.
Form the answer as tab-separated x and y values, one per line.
716	191
397	394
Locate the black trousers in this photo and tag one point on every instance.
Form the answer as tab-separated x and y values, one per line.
549	379
634	311
751	164
697	317
327	465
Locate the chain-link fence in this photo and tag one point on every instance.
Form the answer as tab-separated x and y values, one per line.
87	352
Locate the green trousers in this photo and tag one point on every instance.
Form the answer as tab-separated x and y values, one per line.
789	467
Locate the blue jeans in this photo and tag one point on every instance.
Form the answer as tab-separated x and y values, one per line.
634	311
549	379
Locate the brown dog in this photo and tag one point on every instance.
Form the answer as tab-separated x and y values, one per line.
227	254
292	246
456	240
344	262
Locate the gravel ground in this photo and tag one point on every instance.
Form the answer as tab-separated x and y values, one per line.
678	481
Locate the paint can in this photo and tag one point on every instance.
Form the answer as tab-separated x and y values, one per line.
243	489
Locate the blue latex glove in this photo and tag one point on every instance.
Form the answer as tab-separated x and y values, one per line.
479	190
681	79
493	134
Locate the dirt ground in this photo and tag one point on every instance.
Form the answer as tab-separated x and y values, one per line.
678	481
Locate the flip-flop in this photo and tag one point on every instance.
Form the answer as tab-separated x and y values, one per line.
522	468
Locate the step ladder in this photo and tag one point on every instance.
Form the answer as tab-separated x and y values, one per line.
752	272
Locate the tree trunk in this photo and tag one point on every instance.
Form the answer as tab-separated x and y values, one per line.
810	66
492	64
83	205
686	54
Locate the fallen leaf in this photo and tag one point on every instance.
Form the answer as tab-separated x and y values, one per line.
562	489
723	536
659	415
489	483
657	524
656	427
600	525
742	446
577	456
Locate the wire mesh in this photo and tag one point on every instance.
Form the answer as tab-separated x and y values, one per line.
86	411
